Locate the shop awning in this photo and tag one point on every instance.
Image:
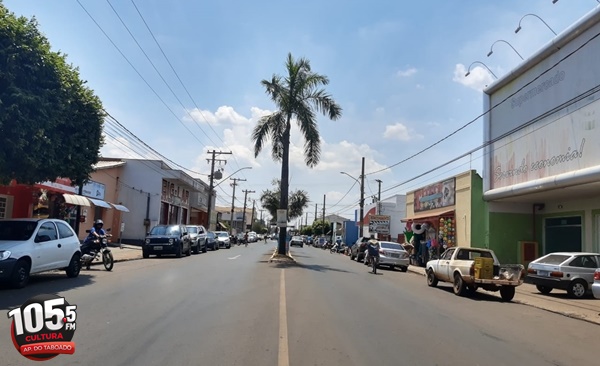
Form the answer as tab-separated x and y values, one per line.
427	215
100	203
75	199
120	207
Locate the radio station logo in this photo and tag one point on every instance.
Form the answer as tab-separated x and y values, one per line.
43	327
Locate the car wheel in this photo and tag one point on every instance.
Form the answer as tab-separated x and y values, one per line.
204	249
196	249
178	251
577	289
432	280
543	289
403	269
74	266
189	251
20	275
507	292
145	254
459	287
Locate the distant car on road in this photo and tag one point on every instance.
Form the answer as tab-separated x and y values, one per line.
570	271
357	251
296	241
223	239
211	241
167	239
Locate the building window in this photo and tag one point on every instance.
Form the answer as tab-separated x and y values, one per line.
3	207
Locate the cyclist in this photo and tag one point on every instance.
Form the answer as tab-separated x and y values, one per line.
373	247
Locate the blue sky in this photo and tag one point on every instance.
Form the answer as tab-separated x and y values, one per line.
396	68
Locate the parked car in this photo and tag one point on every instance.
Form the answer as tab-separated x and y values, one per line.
223	239
252	237
392	255
570	271
211	241
30	246
197	235
296	241
357	251
167	239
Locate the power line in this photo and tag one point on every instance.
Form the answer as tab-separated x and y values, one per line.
158	72
489	109
136	70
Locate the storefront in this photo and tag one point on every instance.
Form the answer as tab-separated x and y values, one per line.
446	214
543	167
175	203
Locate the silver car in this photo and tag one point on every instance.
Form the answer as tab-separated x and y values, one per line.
393	255
570	271
596	285
223	239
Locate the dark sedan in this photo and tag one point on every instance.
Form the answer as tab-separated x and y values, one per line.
358	249
167	239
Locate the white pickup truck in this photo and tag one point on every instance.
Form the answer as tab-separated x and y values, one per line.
457	265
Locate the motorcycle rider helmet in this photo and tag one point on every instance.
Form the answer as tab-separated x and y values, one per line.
98	223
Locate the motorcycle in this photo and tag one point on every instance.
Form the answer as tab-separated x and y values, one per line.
99	248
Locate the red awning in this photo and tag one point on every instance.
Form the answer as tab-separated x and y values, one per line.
424	216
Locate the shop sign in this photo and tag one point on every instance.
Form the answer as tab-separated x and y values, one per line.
63	184
174	194
94	190
440	194
379	224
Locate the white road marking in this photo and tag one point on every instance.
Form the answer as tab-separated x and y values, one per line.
236	257
284	357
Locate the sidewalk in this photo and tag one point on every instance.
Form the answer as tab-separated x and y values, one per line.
557	302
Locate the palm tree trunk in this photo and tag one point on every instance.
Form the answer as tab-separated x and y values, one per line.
285	173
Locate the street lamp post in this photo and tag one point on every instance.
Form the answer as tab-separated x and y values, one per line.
362	196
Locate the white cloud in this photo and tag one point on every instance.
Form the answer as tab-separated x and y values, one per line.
399	131
407	72
225	115
478	78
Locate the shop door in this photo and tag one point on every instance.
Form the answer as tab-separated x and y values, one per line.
562	235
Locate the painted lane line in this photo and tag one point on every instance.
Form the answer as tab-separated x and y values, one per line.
284	357
236	257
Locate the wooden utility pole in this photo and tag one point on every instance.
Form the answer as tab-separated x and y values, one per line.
235	183
212	160
244	215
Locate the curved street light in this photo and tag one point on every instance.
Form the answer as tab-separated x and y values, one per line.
351	177
224	179
479	62
501	40
519	27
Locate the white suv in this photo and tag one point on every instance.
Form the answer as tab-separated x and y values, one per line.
29	246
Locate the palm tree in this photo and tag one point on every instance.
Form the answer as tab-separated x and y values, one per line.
297	201
297	96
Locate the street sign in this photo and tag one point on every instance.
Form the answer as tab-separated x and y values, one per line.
282	218
379	224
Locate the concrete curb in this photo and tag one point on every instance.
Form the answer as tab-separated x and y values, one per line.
288	255
540	307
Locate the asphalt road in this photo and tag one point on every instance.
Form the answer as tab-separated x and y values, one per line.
232	307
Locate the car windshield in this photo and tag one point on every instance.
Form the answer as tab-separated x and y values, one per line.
553	259
165	230
192	230
222	235
17	230
296	238
388	245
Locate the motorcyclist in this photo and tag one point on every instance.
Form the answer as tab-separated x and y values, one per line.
95	232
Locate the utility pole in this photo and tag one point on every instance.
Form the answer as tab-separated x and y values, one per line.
253	211
316	216
212	160
244	215
378	196
235	183
324	197
362	198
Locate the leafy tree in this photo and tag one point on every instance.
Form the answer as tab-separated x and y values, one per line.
297	97
50	122
259	227
308	230
321	228
297	201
